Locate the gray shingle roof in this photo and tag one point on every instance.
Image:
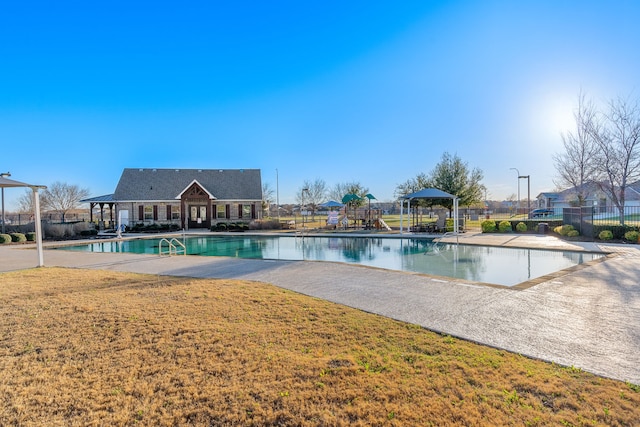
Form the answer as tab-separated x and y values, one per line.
100	199
167	184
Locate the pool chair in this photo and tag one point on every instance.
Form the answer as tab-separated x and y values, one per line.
440	225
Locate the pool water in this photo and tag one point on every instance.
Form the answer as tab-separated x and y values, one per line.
496	265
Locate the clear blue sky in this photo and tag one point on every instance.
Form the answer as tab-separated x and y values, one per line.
367	91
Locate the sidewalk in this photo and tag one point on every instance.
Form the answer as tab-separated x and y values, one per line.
588	318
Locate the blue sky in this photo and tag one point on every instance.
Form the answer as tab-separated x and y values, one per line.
366	91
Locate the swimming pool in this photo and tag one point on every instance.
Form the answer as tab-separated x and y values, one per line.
495	265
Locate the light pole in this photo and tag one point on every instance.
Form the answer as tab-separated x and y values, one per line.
277	195
302	203
518	202
528	190
4	175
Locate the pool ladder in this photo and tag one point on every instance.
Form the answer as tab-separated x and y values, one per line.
174	247
447	234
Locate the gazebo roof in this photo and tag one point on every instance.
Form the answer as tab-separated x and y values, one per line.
107	198
429	193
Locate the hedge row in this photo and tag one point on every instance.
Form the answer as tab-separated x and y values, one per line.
230	226
17	237
507	226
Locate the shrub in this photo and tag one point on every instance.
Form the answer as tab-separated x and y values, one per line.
5	238
58	231
605	235
488	226
505	227
631	236
18	237
271	224
618	231
564	230
573	233
521	227
31	236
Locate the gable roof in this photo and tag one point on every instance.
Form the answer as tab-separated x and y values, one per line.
167	184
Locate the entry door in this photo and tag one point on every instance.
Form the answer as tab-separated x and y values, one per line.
198	216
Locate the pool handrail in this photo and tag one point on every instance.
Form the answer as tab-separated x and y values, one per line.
173	246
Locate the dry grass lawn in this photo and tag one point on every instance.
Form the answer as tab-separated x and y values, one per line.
81	348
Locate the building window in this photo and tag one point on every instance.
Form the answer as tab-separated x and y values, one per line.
175	212
221	211
246	211
148	213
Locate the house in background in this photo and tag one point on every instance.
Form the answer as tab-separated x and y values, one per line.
190	198
593	194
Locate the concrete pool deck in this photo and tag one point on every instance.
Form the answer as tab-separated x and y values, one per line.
588	318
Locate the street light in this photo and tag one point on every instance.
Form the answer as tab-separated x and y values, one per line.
4	175
518	202
528	190
302	203
277	195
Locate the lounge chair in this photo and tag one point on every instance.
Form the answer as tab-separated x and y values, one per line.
440	226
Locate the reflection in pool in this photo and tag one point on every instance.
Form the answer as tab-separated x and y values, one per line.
497	265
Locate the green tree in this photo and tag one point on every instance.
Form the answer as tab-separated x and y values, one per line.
412	185
453	176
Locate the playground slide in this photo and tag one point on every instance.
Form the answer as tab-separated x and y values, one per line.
383	224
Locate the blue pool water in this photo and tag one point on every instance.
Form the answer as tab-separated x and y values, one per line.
496	265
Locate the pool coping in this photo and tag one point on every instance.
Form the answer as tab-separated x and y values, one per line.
421	236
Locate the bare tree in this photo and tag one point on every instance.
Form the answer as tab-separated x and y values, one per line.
312	194
62	197
25	202
267	196
342	189
617	135
577	165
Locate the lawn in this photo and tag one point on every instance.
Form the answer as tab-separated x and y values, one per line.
82	347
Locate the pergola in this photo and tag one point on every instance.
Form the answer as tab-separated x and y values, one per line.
9	183
107	199
430	193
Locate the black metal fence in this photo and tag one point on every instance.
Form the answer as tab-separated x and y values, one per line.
588	220
52	218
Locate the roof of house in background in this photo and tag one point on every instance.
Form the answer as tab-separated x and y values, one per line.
593	191
168	184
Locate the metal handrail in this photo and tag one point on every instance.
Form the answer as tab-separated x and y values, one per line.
173	247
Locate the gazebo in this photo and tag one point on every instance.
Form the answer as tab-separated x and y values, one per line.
9	183
430	193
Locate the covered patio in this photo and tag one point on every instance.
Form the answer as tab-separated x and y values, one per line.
101	201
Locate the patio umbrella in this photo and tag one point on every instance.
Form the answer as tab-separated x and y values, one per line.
8	183
331	204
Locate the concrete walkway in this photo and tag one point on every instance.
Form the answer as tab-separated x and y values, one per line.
588	318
